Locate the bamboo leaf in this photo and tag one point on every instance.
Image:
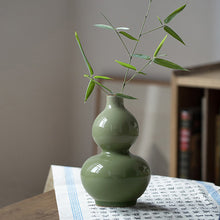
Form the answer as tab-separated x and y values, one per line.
124	96
101	77
168	64
89	90
83	54
100	84
173	34
128	35
159	46
142	73
117	33
122	28
159	20
129	66
104	26
142	56
173	14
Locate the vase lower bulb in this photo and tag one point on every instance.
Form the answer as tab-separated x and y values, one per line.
115	183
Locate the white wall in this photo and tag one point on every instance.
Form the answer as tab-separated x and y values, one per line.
216	29
43	119
195	25
35	93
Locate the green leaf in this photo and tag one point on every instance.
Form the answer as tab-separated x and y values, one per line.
83	54
168	64
173	14
86	75
142	56
128	35
100	84
104	26
101	77
159	20
159	46
129	66
124	96
122	28
89	90
142	73
173	34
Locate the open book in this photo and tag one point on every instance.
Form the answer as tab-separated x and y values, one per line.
165	198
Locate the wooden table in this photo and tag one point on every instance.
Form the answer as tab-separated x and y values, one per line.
41	207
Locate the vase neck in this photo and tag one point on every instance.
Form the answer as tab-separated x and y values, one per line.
114	101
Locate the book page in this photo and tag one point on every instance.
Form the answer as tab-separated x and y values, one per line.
165	198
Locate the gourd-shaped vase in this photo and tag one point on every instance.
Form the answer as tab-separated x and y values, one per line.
115	177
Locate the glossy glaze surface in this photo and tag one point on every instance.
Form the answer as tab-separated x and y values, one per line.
115	177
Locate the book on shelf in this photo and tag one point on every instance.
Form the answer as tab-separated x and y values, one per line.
189	166
204	126
217	150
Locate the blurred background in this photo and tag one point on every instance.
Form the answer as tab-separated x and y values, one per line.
43	118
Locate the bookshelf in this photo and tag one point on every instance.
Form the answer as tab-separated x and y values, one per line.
198	87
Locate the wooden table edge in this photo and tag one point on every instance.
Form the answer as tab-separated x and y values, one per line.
42	206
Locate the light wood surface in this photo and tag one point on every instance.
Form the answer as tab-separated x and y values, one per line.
210	79
204	76
41	207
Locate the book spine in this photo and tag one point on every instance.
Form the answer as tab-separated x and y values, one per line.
184	143
190	144
195	156
204	136
217	151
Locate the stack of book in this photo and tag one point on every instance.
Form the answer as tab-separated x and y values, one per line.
217	150
190	144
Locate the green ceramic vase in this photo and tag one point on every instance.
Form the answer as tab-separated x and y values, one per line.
115	177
